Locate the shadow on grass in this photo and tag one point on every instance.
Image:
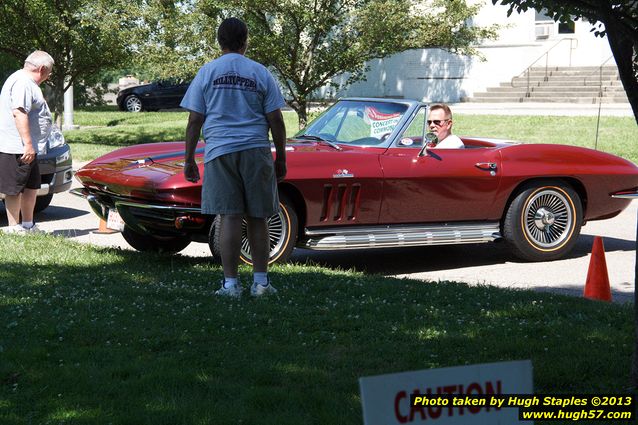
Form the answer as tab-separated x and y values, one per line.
113	123
93	335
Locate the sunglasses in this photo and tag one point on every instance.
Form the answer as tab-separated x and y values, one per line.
437	122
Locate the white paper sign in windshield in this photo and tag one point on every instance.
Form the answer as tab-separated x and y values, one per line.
380	123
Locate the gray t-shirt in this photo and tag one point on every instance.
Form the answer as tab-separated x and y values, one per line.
20	91
234	93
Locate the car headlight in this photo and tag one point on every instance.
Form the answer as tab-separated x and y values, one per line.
56	138
63	158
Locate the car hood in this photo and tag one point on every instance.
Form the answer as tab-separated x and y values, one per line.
155	170
149	171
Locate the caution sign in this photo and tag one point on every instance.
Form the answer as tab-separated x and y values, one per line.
388	399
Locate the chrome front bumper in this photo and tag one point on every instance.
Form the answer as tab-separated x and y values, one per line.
141	216
61	182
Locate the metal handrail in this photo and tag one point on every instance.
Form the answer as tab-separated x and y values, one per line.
599	71
546	56
600	94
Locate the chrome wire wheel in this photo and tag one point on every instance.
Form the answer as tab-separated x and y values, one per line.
282	235
278	232
543	221
548	218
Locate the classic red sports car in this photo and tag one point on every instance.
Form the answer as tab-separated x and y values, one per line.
360	176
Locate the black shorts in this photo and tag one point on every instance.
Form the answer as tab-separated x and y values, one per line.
15	176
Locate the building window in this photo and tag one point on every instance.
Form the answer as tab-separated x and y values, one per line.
545	25
567	27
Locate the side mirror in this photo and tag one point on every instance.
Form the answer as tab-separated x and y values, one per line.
430	140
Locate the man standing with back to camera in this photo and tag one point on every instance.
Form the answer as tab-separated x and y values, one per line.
236	101
25	120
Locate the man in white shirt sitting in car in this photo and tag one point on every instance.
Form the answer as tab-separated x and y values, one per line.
440	123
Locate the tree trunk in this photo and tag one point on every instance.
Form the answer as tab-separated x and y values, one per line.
55	97
300	105
624	54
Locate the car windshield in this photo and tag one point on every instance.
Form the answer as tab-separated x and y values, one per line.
355	122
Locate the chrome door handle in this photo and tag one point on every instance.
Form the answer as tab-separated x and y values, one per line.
489	166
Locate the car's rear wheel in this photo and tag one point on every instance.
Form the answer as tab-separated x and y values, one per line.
42	202
150	243
282	229
543	221
133	103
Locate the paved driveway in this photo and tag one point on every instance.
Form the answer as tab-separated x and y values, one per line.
491	263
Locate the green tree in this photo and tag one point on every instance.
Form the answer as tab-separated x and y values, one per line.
8	64
174	39
306	43
83	36
616	19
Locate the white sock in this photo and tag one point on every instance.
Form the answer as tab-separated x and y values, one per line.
261	278
27	224
230	281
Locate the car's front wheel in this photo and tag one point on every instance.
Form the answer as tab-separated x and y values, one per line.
282	230
543	221
149	243
133	103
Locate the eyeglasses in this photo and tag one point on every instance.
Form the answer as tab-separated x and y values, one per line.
437	122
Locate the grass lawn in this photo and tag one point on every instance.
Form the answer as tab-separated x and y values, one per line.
104	130
104	336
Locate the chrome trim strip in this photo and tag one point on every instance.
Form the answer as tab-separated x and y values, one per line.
387	236
626	195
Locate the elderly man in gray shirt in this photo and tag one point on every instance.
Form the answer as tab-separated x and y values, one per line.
25	121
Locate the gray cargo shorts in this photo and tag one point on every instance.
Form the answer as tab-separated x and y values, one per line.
241	183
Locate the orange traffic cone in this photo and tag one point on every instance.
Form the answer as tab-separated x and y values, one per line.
597	284
102	229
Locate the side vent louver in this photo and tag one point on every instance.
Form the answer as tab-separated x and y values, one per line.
340	202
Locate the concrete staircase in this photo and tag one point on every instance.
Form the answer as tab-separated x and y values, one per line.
562	84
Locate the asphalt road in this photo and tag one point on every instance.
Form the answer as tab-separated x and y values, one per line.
478	264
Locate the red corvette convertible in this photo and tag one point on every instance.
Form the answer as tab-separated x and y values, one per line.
360	176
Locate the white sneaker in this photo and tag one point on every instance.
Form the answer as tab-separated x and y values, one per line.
258	290
14	230
33	229
233	291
